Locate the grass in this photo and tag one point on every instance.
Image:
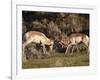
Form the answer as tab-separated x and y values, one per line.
58	60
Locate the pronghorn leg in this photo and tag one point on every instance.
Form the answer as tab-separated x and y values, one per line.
68	47
73	48
76	45
44	49
88	49
66	50
51	47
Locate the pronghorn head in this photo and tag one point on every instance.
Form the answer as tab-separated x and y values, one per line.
64	41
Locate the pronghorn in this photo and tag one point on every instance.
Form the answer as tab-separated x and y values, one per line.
74	39
38	38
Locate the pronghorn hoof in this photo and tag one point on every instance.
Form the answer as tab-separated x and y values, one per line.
66	53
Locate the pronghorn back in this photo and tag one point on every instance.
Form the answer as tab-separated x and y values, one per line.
74	38
37	37
79	37
33	33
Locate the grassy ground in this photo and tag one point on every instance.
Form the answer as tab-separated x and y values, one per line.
58	60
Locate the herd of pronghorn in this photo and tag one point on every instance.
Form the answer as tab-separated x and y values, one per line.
68	41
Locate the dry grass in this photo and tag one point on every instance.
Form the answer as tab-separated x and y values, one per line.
58	60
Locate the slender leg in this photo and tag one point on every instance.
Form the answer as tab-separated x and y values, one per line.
44	49
88	49
66	50
73	47
77	47
68	47
51	47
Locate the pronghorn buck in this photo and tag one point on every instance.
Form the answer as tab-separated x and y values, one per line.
38	38
74	39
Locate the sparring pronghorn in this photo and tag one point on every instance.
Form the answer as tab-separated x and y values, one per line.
38	38
74	39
